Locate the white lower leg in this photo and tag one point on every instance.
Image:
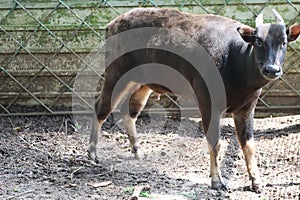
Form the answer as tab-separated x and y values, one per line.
249	153
215	173
92	148
130	127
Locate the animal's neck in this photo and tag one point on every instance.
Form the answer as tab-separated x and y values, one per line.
248	74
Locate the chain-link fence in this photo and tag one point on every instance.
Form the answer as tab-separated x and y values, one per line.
46	44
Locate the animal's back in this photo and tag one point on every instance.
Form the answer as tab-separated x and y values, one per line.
215	33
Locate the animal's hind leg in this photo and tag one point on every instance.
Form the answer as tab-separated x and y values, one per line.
105	104
136	103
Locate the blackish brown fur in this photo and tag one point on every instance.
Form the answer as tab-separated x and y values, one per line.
198	27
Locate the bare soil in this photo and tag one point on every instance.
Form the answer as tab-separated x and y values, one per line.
45	158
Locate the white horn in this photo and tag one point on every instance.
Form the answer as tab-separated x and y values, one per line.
259	19
278	17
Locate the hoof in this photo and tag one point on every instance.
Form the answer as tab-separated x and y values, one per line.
92	155
138	153
96	160
219	186
257	187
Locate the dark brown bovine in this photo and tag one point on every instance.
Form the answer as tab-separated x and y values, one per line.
246	58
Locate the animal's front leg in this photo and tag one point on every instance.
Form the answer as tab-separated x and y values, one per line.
212	131
244	129
215	173
249	153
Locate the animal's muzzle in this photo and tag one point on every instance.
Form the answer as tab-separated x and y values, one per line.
272	71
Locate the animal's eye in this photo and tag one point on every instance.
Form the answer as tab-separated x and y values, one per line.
258	43
284	44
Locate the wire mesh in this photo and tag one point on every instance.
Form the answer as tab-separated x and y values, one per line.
46	45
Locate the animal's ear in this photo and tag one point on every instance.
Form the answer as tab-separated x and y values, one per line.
293	32
247	33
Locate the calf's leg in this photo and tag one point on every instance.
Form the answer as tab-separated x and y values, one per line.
105	104
215	173
212	132
244	129
211	128
136	103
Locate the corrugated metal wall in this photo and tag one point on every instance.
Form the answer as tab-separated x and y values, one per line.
46	45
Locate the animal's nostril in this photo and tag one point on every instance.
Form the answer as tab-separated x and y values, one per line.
279	69
271	69
266	70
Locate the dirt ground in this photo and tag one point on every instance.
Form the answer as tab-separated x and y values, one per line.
45	158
